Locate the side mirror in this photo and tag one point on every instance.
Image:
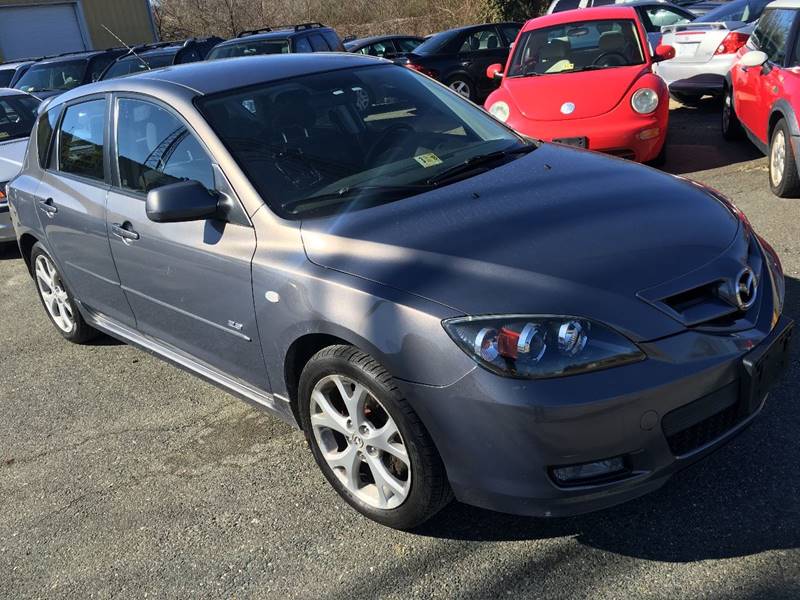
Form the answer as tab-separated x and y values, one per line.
494	71
663	52
754	58
182	201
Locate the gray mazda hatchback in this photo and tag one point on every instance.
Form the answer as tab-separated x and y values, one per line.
444	307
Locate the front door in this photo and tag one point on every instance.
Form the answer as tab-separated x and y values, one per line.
189	284
481	48
71	202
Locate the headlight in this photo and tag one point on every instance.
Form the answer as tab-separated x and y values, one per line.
644	101
776	268
536	347
500	111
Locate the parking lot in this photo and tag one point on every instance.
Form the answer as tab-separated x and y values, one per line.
123	476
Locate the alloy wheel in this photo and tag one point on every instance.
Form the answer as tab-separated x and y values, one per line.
777	158
461	88
360	442
54	295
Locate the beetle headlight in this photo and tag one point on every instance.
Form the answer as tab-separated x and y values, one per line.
536	347
644	101
500	111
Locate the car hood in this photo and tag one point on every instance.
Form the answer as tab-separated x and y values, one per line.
593	93
12	153
558	231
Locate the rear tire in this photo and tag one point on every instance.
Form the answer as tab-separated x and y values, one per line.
731	126
462	86
783	178
368	441
57	300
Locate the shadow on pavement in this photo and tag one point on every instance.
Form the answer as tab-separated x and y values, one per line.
739	501
695	141
9	251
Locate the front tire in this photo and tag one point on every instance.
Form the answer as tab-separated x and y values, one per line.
783	178
367	440
58	302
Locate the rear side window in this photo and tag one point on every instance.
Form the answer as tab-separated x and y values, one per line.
407	44
656	17
154	148
44	135
333	40
772	33
482	39
80	143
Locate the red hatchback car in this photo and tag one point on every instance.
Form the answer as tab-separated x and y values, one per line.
585	78
762	94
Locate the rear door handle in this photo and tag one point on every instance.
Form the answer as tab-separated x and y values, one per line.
124	231
48	207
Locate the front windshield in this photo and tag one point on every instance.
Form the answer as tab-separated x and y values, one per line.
251	48
17	115
323	143
745	11
58	76
579	46
133	64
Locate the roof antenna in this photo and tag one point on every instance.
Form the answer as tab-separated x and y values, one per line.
130	50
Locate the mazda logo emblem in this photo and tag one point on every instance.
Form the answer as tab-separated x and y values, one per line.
746	288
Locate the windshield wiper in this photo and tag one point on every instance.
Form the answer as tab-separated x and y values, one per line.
476	161
348	193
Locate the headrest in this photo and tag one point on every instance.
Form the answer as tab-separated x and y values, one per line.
611	41
554	50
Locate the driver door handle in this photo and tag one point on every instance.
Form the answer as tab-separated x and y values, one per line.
47	206
124	231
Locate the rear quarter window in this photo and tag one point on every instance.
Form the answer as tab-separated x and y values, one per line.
332	39
44	135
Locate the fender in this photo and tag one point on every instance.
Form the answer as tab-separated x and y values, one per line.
783	108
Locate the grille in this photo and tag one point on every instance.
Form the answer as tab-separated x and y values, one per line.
704	432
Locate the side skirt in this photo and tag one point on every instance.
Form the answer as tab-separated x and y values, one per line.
273	403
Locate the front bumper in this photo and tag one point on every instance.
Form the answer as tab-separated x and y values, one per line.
500	438
705	78
6	228
611	133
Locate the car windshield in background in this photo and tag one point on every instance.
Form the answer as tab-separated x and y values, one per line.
435	43
17	115
330	142
132	64
746	11
575	47
59	76
251	48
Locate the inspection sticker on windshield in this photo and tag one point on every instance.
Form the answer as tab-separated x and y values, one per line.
428	160
5	134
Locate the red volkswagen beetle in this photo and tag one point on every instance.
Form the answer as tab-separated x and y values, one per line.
585	78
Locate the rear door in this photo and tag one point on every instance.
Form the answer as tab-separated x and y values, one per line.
189	284
71	202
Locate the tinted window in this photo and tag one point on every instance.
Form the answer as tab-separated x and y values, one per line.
6	75
45	134
17	116
301	44
510	31
566	5
55	76
772	33
129	65
407	44
435	43
98	65
80	144
379	49
576	46
332	39
317	43
738	10
250	48
483	39
311	144
155	148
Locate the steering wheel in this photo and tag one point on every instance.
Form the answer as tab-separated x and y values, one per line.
377	148
619	59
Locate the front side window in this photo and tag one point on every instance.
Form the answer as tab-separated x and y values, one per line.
17	116
575	47
154	148
322	143
58	76
482	39
380	49
80	142
251	48
771	35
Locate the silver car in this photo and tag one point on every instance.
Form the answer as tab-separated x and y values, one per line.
706	49
17	116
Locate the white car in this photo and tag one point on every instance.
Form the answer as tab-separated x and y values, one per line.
17	115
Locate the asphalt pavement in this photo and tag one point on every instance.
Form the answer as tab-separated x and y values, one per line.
121	476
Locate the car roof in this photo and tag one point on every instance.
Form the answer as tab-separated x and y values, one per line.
6	92
73	56
15	64
784	4
617	11
379	38
210	77
280	34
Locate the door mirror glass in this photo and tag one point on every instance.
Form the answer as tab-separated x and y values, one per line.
663	52
182	201
494	71
755	58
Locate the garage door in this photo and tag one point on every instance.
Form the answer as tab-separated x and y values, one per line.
39	30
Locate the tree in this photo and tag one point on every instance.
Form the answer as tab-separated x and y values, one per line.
513	10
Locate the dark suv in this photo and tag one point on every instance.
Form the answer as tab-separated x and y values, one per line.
55	75
305	37
163	54
459	57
